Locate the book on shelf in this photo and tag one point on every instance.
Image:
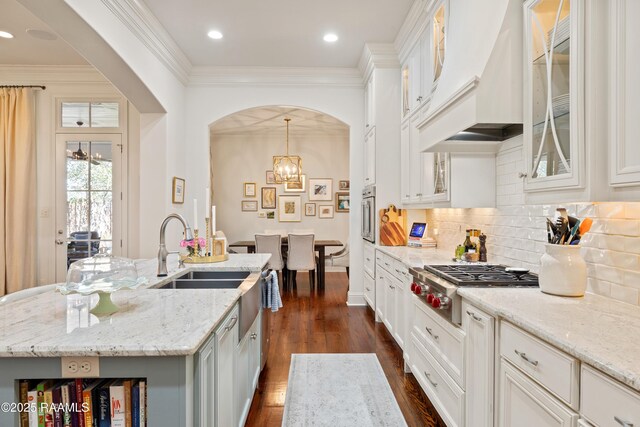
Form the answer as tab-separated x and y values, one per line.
32	397
135	404
57	401
40	388
87	399
116	395
143	403
127	403
79	414
103	418
65	395
24	415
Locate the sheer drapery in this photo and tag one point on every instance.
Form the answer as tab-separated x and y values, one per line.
17	189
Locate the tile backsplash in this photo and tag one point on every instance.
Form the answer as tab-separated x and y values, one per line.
516	232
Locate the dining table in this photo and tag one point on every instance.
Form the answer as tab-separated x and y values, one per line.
319	246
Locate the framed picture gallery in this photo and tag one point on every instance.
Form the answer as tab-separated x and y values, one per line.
296	187
325	211
270	178
249	189
342	202
309	209
268	197
320	189
249	206
289	208
177	190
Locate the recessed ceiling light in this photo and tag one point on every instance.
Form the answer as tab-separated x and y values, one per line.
330	38
216	35
6	35
41	34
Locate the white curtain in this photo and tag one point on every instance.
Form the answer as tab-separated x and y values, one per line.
17	189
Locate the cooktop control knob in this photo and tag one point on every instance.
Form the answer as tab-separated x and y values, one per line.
421	290
435	302
430	298
414	285
442	302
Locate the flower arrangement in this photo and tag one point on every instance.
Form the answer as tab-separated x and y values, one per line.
189	244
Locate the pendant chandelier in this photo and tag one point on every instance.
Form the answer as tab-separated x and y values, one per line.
79	155
287	168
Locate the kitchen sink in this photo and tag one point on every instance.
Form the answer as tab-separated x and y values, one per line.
202	284
214	275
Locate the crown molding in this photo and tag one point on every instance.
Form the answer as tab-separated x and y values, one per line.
146	27
275	76
43	74
413	26
377	55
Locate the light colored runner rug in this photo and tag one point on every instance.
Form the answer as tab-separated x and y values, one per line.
339	390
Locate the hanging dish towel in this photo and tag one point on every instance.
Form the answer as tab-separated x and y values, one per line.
271	292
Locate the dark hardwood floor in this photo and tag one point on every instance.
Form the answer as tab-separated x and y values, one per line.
321	322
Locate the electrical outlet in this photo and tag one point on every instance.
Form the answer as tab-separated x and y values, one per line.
80	367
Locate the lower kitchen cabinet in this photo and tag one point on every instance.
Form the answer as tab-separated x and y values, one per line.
370	290
205	367
479	365
225	395
523	403
389	315
248	370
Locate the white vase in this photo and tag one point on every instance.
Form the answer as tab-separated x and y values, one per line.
563	271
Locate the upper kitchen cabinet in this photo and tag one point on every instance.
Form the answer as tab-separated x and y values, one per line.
553	95
369	105
624	92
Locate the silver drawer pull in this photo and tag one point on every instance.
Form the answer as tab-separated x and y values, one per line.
622	422
391	287
254	336
368	260
232	323
435	337
368	290
525	358
473	316
433	383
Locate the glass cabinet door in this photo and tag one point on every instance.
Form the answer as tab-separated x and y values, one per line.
551	93
438	41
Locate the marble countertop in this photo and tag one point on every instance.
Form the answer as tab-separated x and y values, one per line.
599	331
151	322
417	257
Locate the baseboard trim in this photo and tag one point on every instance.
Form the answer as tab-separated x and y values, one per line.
356	300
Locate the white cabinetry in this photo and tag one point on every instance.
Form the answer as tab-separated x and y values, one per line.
225	395
370	157
525	404
624	92
370	274
369	104
606	402
205	368
479	362
405	162
392	289
248	369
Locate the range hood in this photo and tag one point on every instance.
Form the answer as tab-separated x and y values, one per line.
477	103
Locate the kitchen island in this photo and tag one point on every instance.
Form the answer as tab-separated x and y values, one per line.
166	336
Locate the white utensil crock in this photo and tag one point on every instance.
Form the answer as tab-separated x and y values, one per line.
563	271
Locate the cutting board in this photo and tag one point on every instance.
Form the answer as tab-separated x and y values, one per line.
393	222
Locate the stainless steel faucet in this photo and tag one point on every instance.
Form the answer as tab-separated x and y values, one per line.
162	252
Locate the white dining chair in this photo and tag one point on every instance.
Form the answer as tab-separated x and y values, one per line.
303	231
272	244
339	259
26	293
301	256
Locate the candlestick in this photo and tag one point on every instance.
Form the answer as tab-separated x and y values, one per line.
207	204
207	251
213	221
195	213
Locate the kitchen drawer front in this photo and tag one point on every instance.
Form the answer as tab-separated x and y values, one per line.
523	403
385	261
370	290
443	392
605	402
552	368
445	342
370	260
399	270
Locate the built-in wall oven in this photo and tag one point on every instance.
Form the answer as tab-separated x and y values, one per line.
368	230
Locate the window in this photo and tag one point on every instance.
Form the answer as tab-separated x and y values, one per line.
87	114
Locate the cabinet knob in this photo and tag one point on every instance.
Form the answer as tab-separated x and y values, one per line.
522	175
254	336
419	99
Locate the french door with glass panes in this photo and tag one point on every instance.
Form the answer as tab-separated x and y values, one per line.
89	199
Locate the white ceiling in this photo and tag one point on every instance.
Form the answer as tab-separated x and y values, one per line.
270	120
279	33
24	49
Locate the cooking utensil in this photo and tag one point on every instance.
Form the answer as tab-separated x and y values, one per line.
573	232
585	226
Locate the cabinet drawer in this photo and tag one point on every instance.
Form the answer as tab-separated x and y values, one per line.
370	291
445	342
443	392
384	261
552	368
370	260
399	270
605	402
